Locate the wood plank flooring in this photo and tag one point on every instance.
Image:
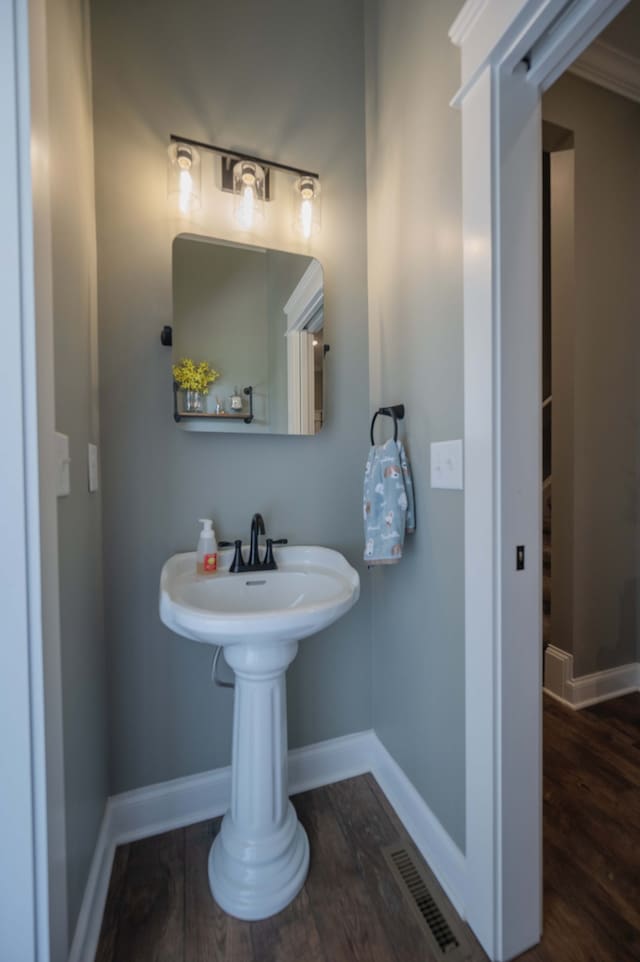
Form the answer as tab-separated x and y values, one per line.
591	833
351	909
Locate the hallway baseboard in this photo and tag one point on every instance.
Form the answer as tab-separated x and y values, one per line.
183	801
586	690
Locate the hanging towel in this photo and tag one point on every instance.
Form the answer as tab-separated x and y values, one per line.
389	511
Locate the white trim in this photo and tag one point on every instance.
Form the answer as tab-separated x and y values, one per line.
435	845
603	685
501	156
586	690
558	670
554	52
33	905
184	801
21	753
305	316
501	32
465	21
609	67
331	761
44	512
300	383
501	129
87	932
306	300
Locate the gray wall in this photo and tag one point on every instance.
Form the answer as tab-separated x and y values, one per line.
415	308
220	307
605	403
79	523
285	81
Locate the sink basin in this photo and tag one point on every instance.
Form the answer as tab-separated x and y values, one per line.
260	858
312	588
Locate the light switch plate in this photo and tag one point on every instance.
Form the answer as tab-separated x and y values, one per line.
63	461
94	478
446	465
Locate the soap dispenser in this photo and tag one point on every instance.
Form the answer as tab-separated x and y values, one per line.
207	554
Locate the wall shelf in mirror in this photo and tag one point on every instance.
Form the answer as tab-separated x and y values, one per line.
179	415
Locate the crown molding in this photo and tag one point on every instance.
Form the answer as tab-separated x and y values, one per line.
464	22
610	68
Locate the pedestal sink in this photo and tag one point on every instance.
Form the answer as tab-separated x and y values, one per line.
259	860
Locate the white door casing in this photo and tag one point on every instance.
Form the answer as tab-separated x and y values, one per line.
21	760
304	313
511	50
33	902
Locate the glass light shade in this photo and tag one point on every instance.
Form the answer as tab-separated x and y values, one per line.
306	211
248	194
184	177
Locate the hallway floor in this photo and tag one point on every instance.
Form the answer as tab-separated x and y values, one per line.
351	909
591	833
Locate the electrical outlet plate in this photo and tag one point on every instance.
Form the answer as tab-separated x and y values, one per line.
446	465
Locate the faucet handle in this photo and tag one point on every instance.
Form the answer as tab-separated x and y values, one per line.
225	544
269	561
238	563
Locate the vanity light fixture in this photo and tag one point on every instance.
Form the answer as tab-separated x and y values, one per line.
248	193
183	176
248	178
306	218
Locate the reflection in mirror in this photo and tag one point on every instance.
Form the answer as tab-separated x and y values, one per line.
256	317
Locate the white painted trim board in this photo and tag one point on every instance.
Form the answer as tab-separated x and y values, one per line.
184	801
586	690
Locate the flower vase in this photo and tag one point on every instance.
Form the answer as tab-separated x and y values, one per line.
193	402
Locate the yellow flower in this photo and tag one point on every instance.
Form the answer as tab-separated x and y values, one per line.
192	377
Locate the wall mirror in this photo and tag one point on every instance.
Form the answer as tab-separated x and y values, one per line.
255	316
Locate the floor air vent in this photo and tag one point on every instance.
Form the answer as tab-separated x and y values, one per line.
423	894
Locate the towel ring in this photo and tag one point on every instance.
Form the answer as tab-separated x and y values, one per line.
395	411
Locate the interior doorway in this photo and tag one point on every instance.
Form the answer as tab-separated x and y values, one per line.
510	56
558	244
590	352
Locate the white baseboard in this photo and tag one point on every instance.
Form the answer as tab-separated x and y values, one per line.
87	931
183	801
436	846
586	690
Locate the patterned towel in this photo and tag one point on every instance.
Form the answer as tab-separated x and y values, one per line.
389	510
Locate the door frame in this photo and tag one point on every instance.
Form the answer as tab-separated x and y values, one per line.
511	51
33	878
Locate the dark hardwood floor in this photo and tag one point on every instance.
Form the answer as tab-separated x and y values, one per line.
351	909
591	833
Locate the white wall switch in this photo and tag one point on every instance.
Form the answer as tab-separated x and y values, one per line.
94	480
63	461
446	465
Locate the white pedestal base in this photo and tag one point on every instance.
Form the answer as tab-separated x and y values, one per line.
251	889
259	861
